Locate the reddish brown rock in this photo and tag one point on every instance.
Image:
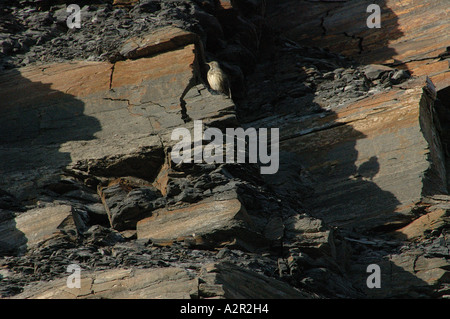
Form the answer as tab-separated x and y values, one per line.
434	219
413	33
166	283
223	280
32	228
217	222
219	280
373	159
98	117
124	2
161	40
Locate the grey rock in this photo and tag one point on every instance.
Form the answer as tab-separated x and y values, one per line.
375	71
400	76
101	236
125	208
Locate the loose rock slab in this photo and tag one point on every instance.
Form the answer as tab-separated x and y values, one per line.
218	280
165	283
33	227
218	220
224	280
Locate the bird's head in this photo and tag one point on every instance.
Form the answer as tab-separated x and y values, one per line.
213	64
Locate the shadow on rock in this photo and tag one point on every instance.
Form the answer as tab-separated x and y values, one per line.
35	120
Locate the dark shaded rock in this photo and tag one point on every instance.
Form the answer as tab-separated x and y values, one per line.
176	186
127	205
63	186
399	76
375	71
6	45
101	236
6	215
146	6
8	201
225	280
189	195
97	214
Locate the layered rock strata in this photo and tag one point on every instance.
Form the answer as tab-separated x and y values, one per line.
85	156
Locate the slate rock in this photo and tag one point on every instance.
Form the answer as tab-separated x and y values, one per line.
399	76
375	71
8	201
126	207
102	236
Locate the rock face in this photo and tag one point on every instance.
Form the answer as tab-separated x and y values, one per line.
87	175
361	165
215	281
395	43
373	161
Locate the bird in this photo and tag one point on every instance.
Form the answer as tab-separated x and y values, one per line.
217	79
